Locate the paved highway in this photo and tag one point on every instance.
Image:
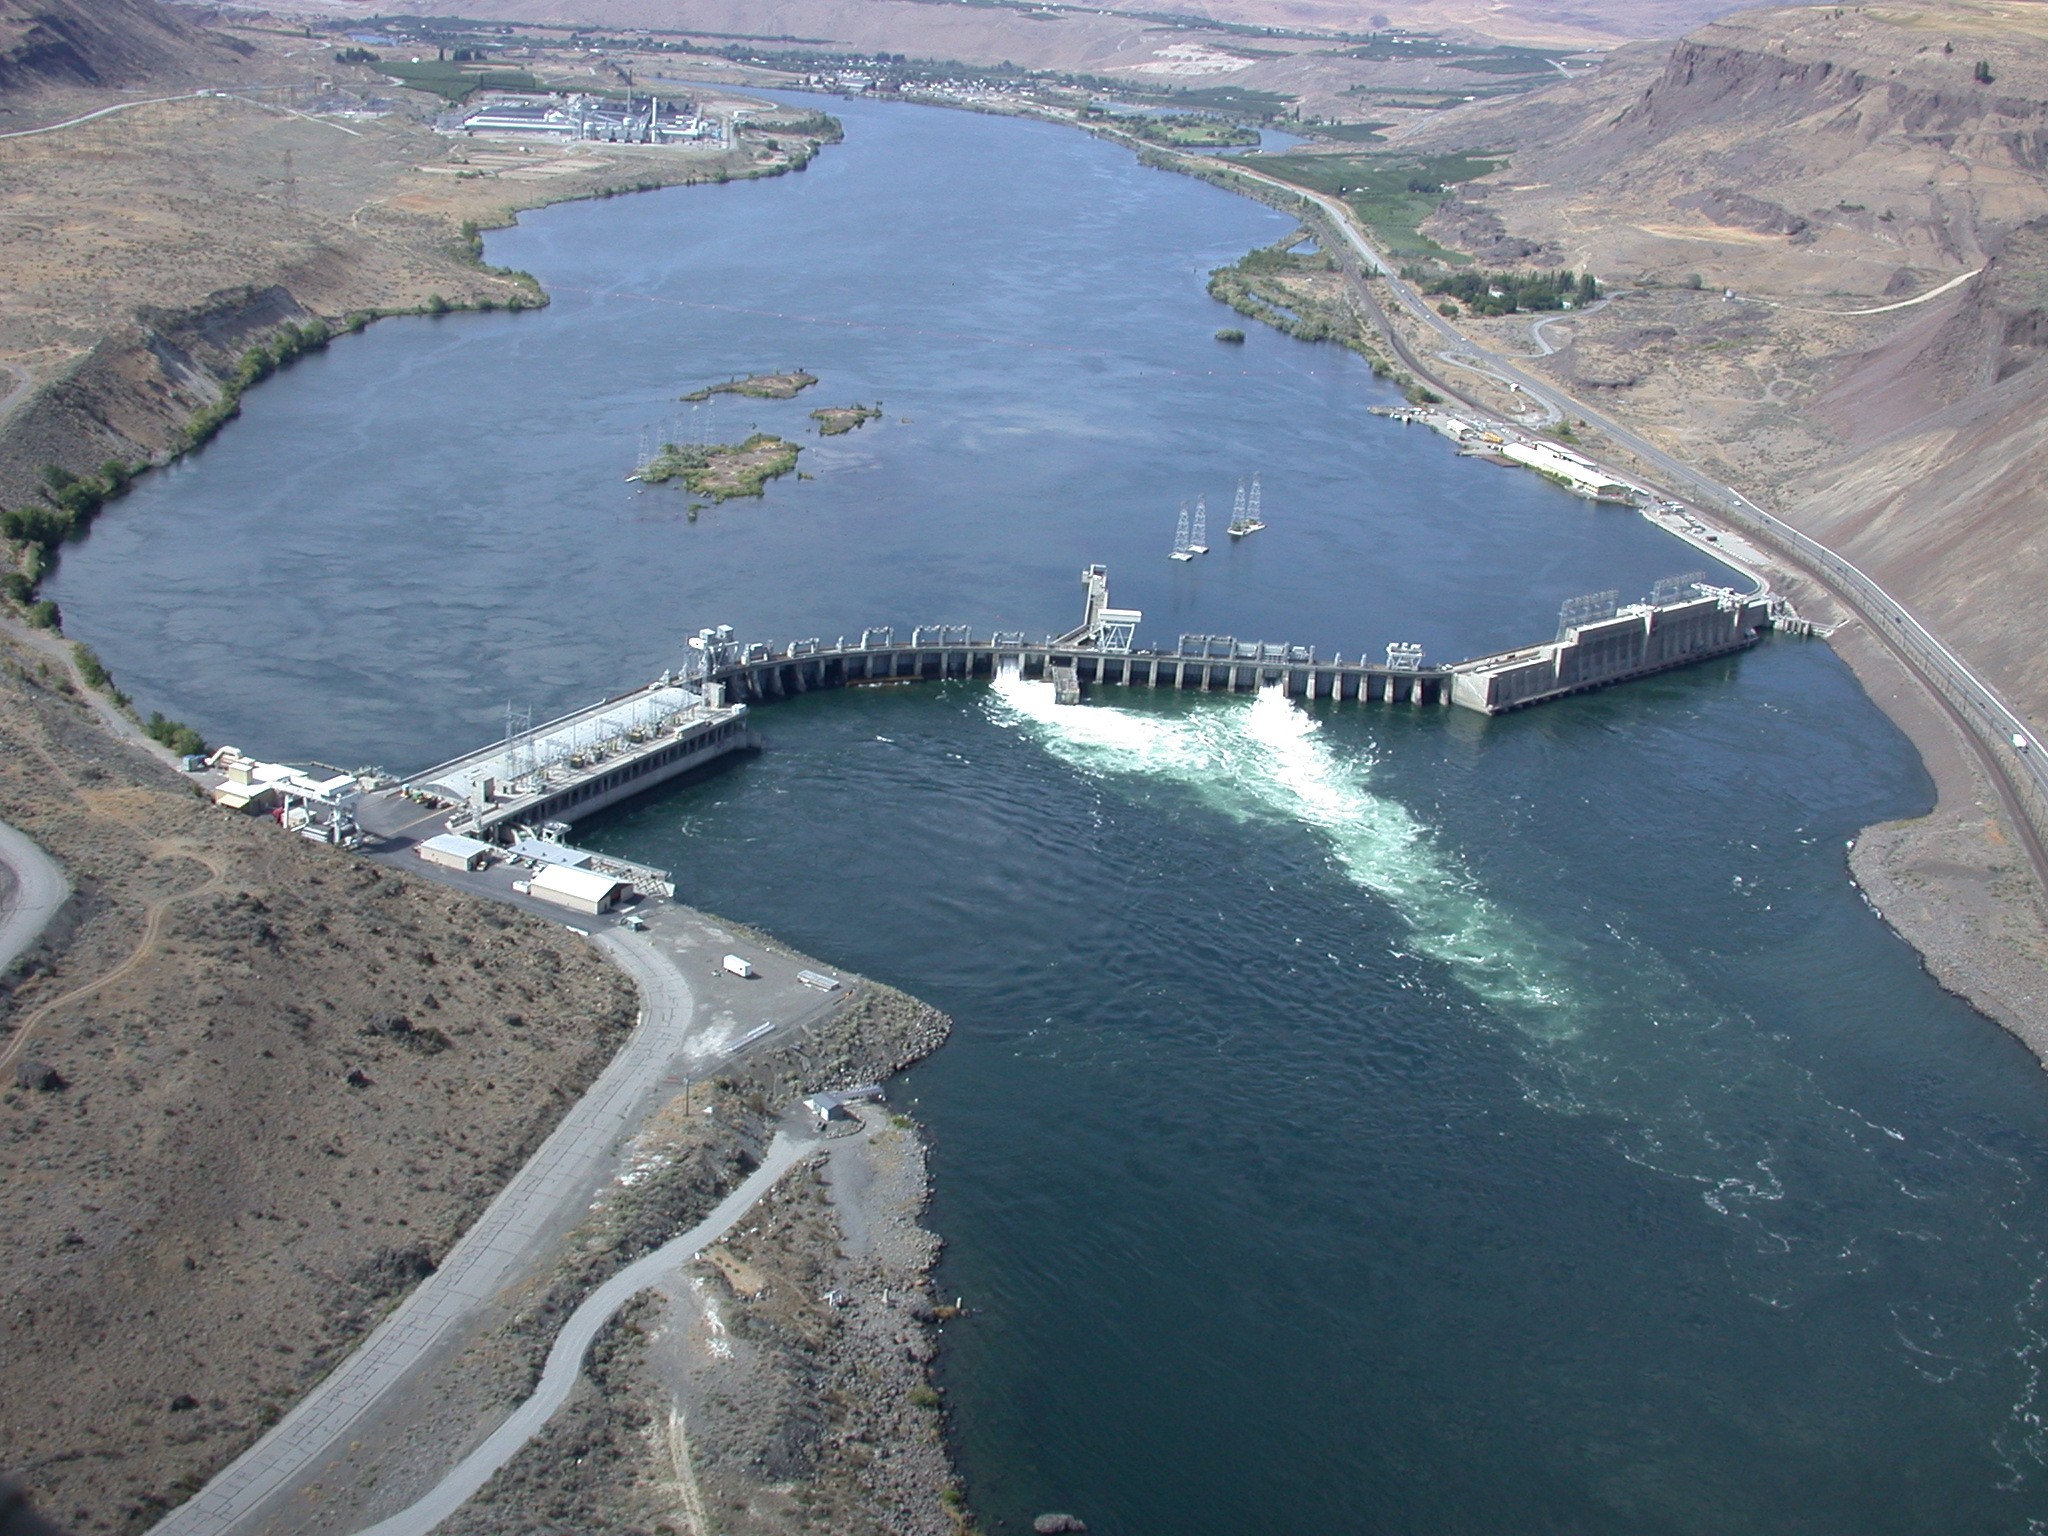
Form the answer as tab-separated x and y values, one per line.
565	1358
2020	775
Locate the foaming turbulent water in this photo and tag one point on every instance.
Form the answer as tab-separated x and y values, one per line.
1677	1087
1306	1109
1264	758
1357	1119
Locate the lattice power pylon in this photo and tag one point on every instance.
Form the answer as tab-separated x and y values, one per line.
1590	609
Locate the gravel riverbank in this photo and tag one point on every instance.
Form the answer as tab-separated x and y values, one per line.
783	1380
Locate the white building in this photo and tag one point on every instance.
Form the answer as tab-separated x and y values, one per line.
580	890
1577	471
452	851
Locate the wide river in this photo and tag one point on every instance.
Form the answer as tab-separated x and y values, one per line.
1358	1120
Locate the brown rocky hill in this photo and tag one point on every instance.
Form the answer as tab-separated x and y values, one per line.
1942	485
257	1089
1816	148
1870	185
101	42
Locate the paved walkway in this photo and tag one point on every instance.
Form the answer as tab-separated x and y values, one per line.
565	1360
480	1264
40	888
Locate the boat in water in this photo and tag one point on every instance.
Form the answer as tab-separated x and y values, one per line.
1244	517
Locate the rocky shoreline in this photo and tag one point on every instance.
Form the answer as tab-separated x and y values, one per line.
781	1381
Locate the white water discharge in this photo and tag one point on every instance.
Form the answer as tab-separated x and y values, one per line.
1265	758
1661	1072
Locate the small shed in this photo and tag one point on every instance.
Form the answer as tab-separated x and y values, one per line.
580	890
832	1106
452	851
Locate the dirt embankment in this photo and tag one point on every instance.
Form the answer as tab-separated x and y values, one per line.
288	1080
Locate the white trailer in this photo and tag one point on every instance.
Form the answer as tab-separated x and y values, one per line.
735	966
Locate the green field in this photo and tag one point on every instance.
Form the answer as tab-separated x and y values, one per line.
1235	99
1347	133
1188	130
453	81
1391	194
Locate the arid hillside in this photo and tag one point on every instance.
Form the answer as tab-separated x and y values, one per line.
1535	22
987	34
253	1090
102	43
1824	223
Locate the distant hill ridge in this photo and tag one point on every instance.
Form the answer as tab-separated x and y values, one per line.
1827	165
101	43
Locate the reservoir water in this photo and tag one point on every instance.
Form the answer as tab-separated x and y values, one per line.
1357	1120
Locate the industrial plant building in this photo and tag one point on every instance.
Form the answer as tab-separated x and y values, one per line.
578	118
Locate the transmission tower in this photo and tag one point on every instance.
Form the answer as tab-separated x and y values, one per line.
1199	544
1590	609
1673	588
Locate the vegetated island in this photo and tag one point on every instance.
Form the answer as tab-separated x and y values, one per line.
837	420
721	470
758	386
1178	130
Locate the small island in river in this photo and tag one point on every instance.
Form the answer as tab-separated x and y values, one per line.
835	420
759	386
721	471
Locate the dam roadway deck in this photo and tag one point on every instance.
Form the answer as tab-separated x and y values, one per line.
597	756
1202	664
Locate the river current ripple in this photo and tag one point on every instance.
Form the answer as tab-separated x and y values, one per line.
1359	1119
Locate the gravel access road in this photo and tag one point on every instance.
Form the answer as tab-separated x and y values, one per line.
524	1215
36	890
565	1359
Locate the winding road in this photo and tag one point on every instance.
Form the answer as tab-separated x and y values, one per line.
39	888
559	1174
565	1358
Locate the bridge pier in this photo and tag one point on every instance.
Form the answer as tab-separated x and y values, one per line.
1209	667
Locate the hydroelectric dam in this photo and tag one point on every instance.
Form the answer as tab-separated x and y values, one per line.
582	762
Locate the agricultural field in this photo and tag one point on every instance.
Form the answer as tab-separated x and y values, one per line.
1391	193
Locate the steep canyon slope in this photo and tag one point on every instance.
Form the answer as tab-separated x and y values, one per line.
1829	225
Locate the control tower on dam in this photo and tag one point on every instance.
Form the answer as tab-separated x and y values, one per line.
685	719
